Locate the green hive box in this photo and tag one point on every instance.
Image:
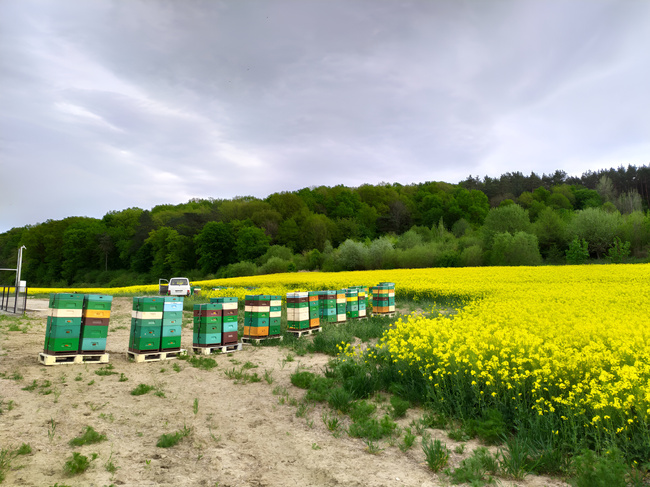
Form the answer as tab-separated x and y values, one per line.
63	327
148	303
94	332
206	339
167	343
61	345
54	321
98	301
93	344
66	301
229	327
208	329
144	344
143	331
171	331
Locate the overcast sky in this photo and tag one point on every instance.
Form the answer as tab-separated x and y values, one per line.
110	104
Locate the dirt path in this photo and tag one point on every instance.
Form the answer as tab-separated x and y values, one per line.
241	434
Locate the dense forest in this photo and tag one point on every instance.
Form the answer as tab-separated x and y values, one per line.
511	220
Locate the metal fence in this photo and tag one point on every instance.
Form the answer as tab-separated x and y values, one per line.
13	300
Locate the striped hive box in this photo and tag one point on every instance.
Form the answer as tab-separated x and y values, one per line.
63	330
208	325
230	308
298	310
257	316
94	323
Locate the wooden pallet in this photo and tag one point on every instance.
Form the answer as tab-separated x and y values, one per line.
307	331
258	340
233	347
81	358
155	356
385	315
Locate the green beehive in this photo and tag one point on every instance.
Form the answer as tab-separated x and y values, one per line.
61	345
98	302
148	304
66	301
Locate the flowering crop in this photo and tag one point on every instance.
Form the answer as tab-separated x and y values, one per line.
569	346
560	349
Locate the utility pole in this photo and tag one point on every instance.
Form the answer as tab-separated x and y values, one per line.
19	265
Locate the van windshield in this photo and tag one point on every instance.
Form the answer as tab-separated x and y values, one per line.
178	282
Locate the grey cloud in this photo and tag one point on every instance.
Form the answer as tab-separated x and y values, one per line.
159	101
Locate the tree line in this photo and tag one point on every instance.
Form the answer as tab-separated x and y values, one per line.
512	220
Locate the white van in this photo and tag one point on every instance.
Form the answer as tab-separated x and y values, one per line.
176	286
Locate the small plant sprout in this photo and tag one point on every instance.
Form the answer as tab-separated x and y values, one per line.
437	454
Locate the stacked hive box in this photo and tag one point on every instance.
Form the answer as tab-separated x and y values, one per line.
298	311
314	312
275	319
230	309
172	320
383	298
208	325
64	324
96	314
341	306
327	302
146	324
352	303
257	315
362	293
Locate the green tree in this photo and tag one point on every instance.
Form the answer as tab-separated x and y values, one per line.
215	246
251	243
514	250
352	255
167	250
510	218
619	251
578	252
551	231
597	227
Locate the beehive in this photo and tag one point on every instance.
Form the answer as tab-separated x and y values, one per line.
352	303
172	323
63	330
383	298
95	318
257	316
208	324
230	309
327	304
314	312
298	310
362	295
341	306
275	319
146	324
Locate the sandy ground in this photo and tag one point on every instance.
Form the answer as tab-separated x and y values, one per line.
241	434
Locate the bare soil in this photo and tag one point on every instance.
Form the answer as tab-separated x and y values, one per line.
241	434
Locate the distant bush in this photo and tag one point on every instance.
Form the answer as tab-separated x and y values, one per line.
518	249
240	269
275	265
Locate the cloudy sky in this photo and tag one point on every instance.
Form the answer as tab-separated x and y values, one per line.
109	104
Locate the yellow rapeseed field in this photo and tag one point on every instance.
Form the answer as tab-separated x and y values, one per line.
569	345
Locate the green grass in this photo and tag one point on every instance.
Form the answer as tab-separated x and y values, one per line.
199	362
108	370
142	389
78	463
89	437
240	376
172	439
435	453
